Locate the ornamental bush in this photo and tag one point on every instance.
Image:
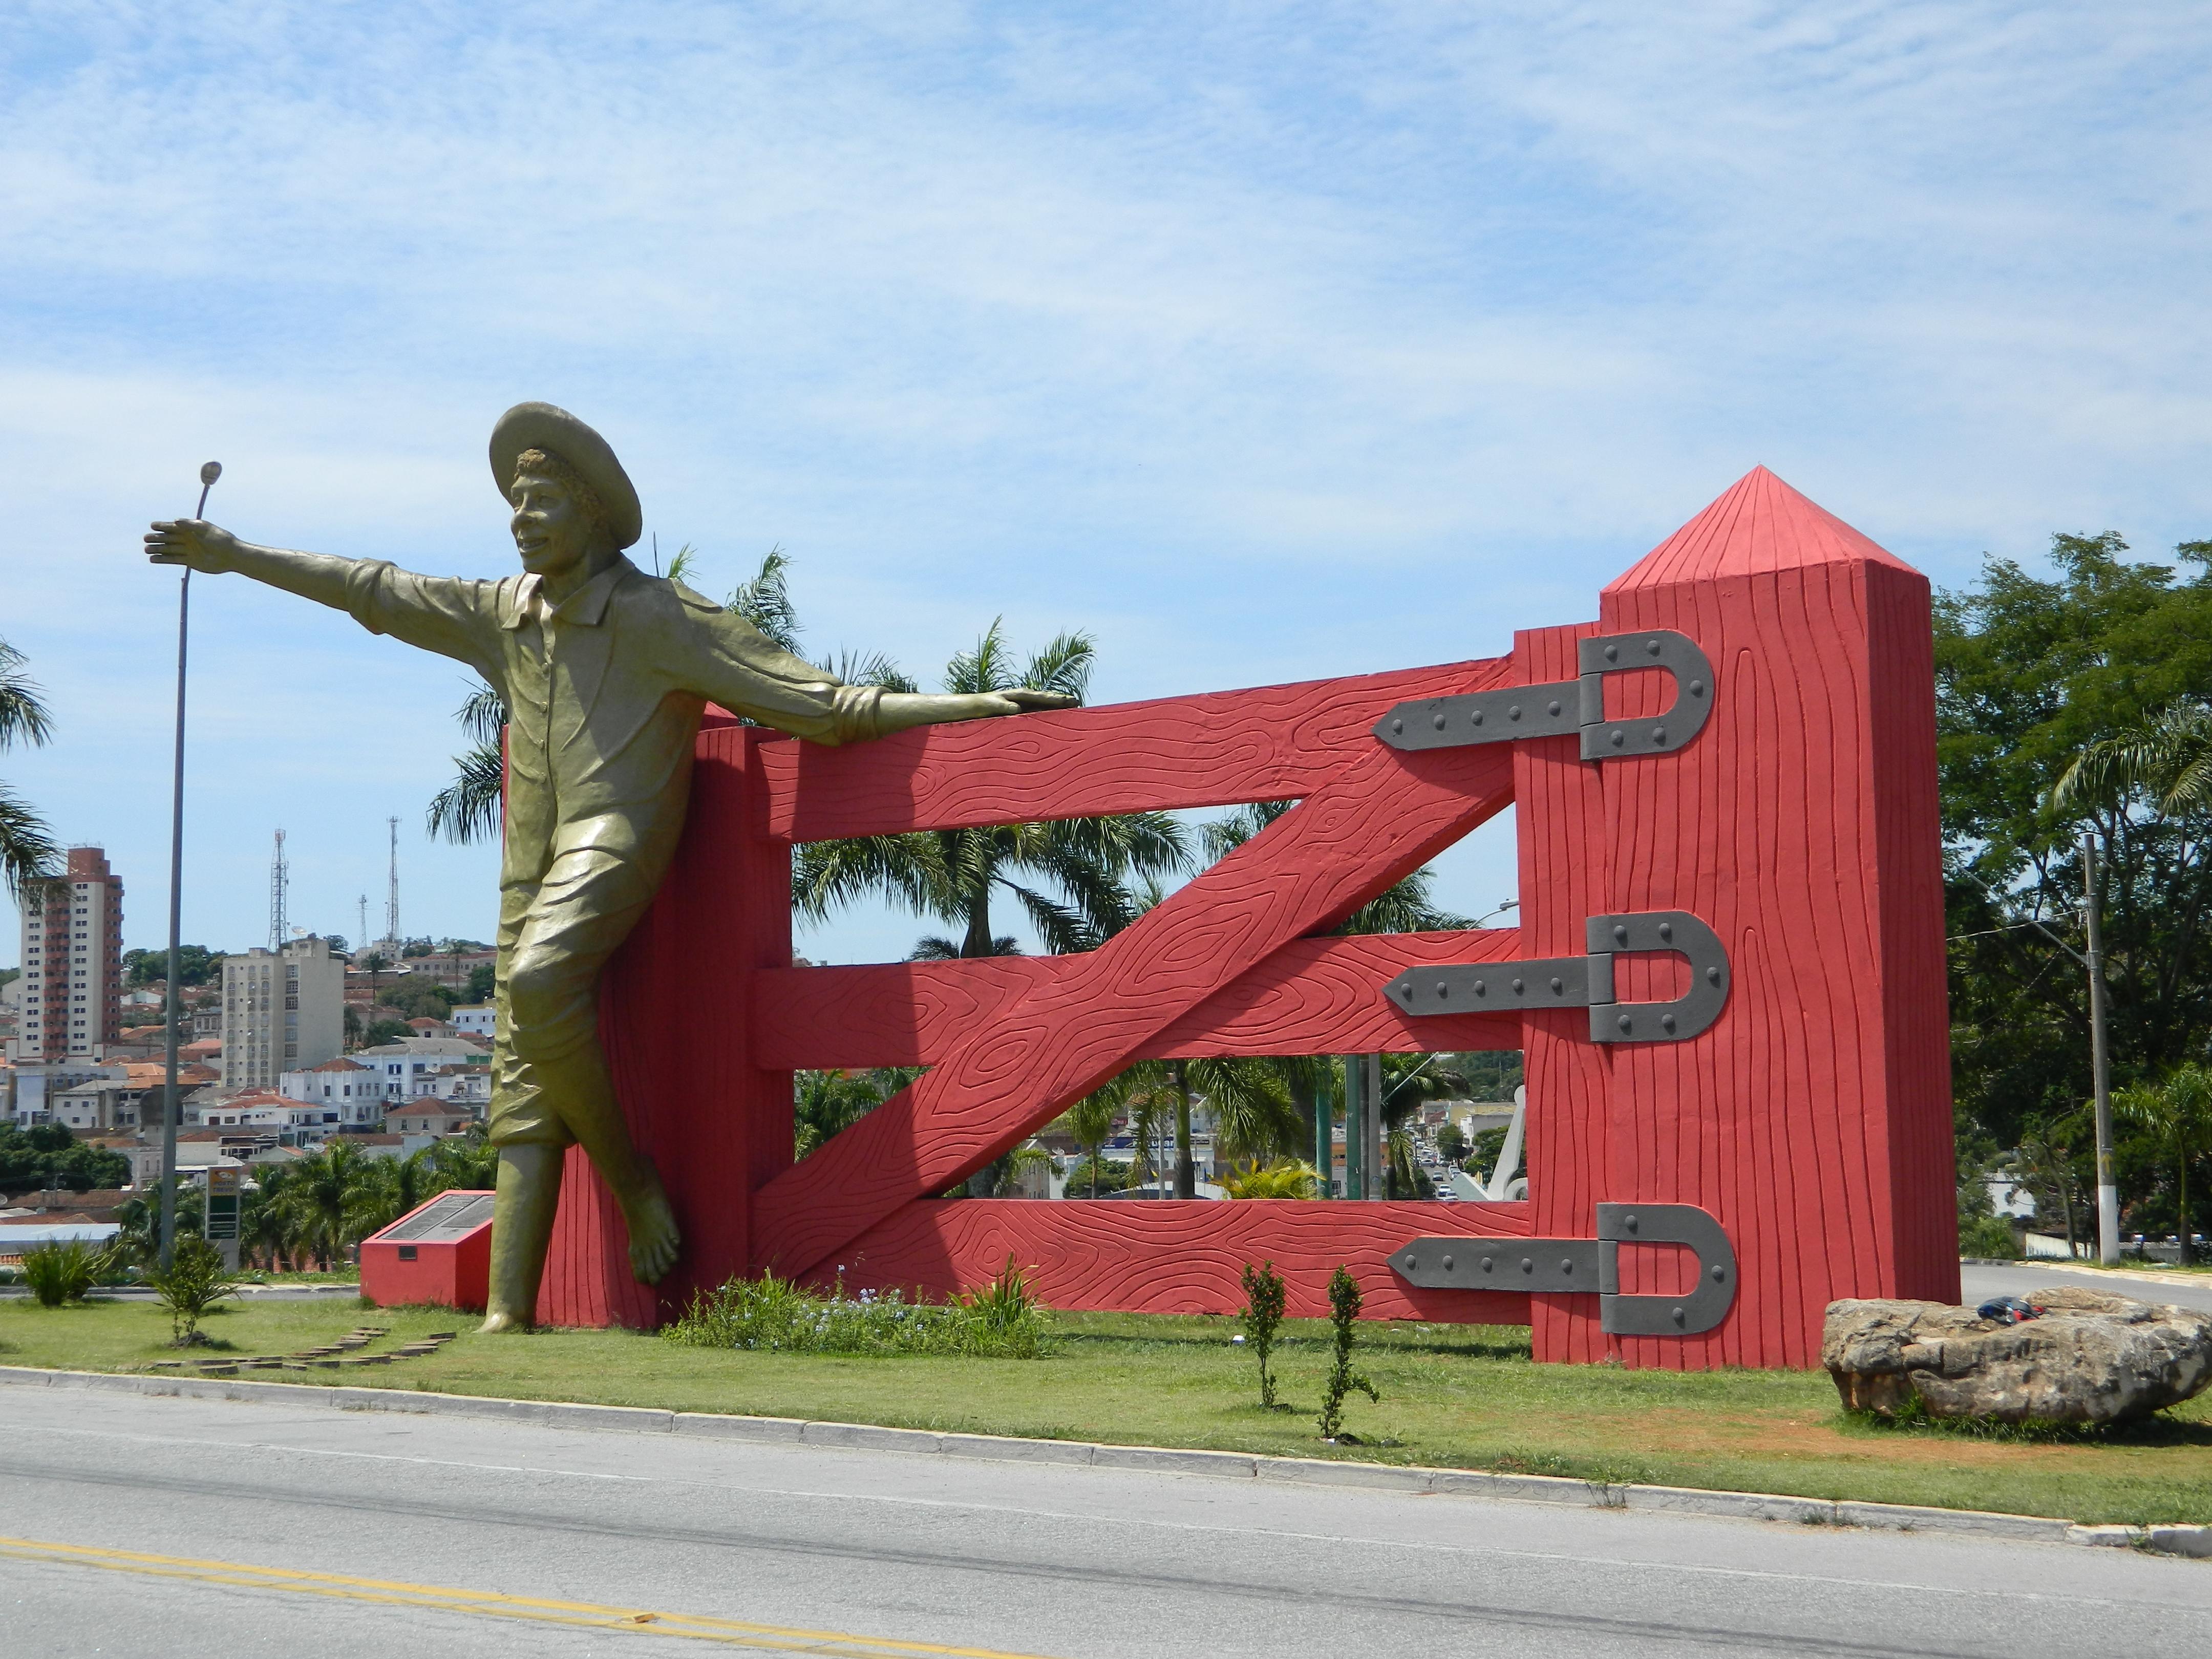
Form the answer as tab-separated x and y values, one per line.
1003	1319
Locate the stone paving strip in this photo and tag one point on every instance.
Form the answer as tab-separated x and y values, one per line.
2173	1540
330	1355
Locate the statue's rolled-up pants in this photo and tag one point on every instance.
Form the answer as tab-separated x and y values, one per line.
550	1084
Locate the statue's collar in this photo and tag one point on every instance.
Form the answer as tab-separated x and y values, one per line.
586	605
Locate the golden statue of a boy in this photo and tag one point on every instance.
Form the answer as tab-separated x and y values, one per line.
606	672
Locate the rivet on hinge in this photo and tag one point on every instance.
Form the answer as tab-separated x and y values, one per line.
1619	736
1448	1262
1619	934
1553	707
1439	722
1613	654
1652	647
1626	1023
1397	726
1514	713
1667	931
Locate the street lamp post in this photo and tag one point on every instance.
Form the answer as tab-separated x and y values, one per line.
208	474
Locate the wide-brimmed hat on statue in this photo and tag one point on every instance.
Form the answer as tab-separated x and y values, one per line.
541	426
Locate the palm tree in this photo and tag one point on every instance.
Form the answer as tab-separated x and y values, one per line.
825	1103
954	875
2166	757
29	852
2177	1114
1090	1121
323	1199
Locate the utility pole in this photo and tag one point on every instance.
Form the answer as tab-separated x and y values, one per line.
2108	1195
1355	1127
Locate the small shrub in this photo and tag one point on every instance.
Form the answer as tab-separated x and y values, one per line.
1284	1178
196	1281
1001	1321
1987	1236
1261	1315
1344	1301
64	1270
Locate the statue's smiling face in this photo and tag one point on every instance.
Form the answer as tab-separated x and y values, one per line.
554	530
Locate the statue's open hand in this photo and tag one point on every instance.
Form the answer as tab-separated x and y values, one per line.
205	547
1024	700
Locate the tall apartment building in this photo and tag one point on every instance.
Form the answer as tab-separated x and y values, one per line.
282	1011
72	1005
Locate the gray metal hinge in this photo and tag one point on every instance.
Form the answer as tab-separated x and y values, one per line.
1575	705
1592	1265
1585	981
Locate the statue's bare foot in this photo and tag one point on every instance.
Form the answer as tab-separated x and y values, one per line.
653	1239
501	1319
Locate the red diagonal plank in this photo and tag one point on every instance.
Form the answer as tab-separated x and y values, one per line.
1269	742
1385	815
1315	996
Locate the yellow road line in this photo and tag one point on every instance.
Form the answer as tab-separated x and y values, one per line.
735	1632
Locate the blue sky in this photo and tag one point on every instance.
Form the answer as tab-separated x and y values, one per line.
1266	343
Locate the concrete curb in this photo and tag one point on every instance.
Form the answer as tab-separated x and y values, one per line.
2186	1541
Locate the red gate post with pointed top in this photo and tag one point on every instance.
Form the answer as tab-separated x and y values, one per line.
1814	1119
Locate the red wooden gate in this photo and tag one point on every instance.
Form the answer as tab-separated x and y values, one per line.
1811	1119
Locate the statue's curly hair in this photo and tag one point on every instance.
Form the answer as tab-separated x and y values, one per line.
544	464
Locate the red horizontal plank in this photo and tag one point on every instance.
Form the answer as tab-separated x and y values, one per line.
1315	996
1219	748
1140	1255
1382	816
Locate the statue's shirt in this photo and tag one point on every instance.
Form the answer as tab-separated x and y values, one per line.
604	695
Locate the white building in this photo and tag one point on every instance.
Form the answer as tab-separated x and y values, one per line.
349	1094
36	1086
409	1066
478	1019
72	994
282	1012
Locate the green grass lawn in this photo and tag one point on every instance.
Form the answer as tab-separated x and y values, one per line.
1453	1395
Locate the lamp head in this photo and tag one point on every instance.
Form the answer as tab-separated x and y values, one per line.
209	471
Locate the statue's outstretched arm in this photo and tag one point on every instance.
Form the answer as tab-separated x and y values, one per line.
211	549
449	614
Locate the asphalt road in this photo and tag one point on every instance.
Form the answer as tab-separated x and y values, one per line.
161	1527
1979	1281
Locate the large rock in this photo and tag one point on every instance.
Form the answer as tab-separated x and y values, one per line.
2093	1358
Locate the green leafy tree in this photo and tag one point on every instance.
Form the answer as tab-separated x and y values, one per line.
1451	1143
47	1156
196	965
1090	1122
29	855
483	984
2061	703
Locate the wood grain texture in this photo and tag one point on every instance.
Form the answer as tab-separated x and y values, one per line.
1217	749
1146	1256
1315	996
1382	816
1794	1116
672	1019
1559	813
